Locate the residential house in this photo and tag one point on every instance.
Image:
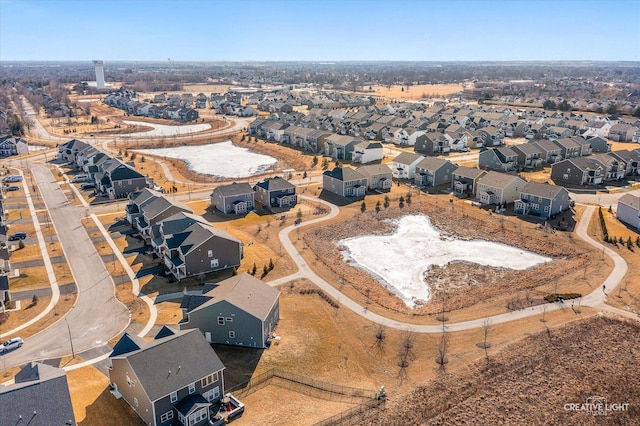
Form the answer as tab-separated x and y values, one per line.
379	176
472	139
137	200
376	131
189	246
433	143
622	132
542	199
503	159
345	182
555	132
340	147
201	100
404	165
117	179
600	128
578	171
599	144
276	192
241	310
235	198
13	146
499	188
432	171
551	152
568	147
174	379
155	211
68	150
585	145
529	155
628	210
613	167
630	158
39	396
492	136
367	152
5	293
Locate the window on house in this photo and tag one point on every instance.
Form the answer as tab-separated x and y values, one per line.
228	319
129	381
192	388
165	417
210	253
565	176
220	320
207	380
546	209
215	376
173	397
216	392
232	334
214	263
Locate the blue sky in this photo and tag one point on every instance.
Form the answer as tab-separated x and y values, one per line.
320	30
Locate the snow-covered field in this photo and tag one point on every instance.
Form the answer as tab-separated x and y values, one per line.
164	130
400	260
219	159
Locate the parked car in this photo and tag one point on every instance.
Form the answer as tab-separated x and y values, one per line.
13	178
18	236
13	188
11	344
88	185
80	178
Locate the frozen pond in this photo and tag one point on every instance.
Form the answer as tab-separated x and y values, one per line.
401	260
164	130
219	159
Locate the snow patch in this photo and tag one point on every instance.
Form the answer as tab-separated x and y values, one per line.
164	130
401	260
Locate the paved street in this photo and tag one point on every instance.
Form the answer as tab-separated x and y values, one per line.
98	315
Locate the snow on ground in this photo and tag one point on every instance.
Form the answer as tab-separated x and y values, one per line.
400	260
164	130
219	159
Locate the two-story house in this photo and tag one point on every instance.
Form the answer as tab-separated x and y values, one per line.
276	192
499	188
542	199
235	198
345	182
432	171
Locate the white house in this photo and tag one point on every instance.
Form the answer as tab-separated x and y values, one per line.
628	210
404	165
367	152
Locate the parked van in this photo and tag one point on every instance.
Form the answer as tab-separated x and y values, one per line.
80	178
13	178
88	185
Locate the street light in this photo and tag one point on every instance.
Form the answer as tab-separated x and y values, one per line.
73	354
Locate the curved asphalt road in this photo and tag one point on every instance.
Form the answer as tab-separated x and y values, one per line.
97	315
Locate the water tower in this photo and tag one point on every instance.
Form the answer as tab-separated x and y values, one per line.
99	67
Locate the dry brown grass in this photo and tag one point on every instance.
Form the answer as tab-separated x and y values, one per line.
531	381
414	92
17	318
92	402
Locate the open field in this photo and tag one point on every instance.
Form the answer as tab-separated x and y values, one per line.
530	381
414	92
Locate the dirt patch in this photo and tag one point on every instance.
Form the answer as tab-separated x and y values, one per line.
461	284
530	381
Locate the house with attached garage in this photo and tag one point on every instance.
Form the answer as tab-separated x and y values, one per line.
154	212
175	379
503	159
568	147
578	171
404	165
433	143
39	396
379	176
276	192
499	188
137	200
432	171
529	155
316	141
13	146
235	198
241	310
622	132
68	150
117	179
367	152
189	246
551	152
492	136
5	293
599	144
628	210
613	167
340	146
541	199
630	158
464	181
345	182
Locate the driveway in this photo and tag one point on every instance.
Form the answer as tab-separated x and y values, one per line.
97	315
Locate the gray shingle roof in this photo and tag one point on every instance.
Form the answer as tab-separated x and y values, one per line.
234	189
468	172
344	174
407	158
245	292
431	163
543	190
170	363
39	397
374	169
630	200
275	184
497	179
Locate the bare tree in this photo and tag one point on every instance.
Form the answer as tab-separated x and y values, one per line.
443	348
381	335
486	325
544	311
